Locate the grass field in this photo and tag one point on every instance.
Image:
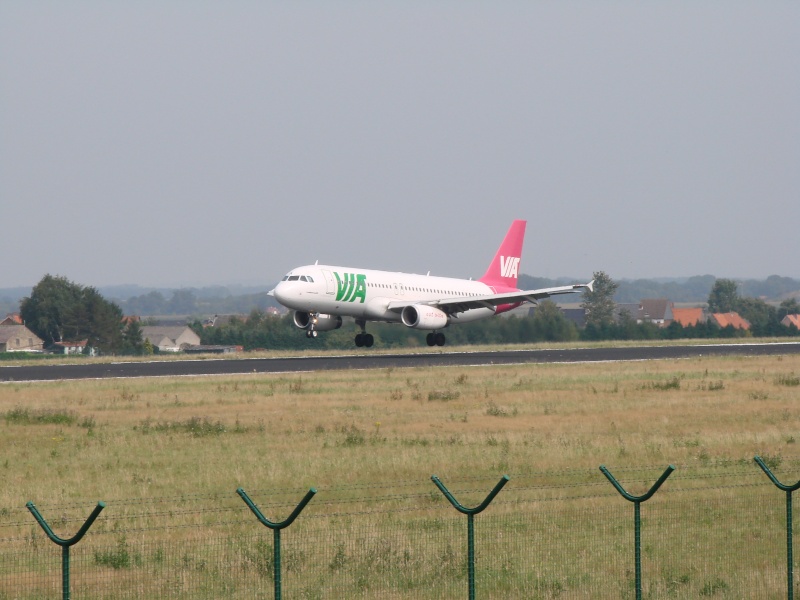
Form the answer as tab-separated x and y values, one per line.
370	440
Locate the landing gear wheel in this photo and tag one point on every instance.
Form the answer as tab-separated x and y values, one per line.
311	334
364	339
431	339
439	337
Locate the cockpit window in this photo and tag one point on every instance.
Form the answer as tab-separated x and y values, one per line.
307	278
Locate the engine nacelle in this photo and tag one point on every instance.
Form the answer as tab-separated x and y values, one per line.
420	316
321	322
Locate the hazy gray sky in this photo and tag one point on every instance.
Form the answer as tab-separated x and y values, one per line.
191	143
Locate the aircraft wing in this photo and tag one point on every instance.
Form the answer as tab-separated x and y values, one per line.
457	305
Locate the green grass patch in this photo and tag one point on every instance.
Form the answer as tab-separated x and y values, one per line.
195	426
443	395
671	384
118	558
26	416
790	380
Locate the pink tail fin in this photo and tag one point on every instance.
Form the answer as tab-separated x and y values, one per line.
504	269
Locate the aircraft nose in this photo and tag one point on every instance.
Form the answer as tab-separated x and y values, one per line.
276	293
279	292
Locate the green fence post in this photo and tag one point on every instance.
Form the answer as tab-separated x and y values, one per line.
470	512
276	531
65	544
637	522
789	543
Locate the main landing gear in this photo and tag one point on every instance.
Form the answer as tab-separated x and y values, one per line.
435	338
364	339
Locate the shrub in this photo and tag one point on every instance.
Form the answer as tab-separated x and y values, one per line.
25	416
443	395
788	380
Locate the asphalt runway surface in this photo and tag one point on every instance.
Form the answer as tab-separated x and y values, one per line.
178	368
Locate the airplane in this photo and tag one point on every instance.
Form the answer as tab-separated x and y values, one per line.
320	295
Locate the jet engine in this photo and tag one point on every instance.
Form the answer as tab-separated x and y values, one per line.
321	322
420	316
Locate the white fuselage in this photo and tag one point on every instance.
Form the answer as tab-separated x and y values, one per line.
368	294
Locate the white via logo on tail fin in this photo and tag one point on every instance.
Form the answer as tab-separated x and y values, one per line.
509	267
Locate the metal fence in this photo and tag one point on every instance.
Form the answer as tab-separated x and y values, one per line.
716	531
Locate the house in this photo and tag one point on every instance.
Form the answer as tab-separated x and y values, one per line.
687	317
730	318
18	338
655	310
12	319
170	338
632	308
791	321
75	347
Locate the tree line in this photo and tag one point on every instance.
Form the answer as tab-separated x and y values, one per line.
60	310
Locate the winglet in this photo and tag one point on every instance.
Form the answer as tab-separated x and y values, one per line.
590	286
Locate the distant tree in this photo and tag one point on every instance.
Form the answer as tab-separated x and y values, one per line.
788	307
152	303
183	302
724	296
60	310
50	309
762	317
773	286
132	339
549	324
599	303
104	321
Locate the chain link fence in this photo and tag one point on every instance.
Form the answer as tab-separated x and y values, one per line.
715	531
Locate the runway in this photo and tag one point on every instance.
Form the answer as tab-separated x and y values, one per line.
177	368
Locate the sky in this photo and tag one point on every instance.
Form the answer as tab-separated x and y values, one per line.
177	143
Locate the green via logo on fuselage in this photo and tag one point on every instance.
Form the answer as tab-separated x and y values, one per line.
351	287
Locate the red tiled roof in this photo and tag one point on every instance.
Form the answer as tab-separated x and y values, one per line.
687	316
790	320
731	318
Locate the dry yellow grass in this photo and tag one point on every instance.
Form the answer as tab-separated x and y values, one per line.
331	428
162	452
